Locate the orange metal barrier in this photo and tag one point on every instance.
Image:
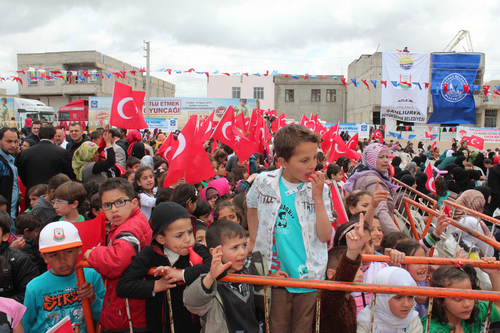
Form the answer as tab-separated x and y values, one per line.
473	212
432	261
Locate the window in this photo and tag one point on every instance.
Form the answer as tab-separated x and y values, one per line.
331	95
490	118
289	95
401	126
258	92
33	82
315	95
236	92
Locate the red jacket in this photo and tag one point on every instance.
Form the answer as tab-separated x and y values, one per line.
124	243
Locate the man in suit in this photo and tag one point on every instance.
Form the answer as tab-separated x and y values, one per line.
43	161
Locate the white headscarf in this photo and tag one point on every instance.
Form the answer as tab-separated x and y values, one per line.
384	320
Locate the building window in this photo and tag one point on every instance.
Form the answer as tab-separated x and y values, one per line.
490	118
331	95
315	95
33	82
236	92
258	92
289	97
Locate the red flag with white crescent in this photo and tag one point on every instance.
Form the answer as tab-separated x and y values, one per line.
205	131
339	148
126	108
430	184
377	134
353	142
167	148
477	142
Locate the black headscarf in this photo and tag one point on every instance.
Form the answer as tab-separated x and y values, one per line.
460	161
461	181
138	150
421	180
400	174
408	180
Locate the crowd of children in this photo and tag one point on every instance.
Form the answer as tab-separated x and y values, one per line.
268	216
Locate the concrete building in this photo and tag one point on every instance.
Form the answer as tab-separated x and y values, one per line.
260	88
57	93
488	113
324	96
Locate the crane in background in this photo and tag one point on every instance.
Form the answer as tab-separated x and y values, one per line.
458	37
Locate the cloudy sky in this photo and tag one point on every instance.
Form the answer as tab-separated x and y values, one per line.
296	37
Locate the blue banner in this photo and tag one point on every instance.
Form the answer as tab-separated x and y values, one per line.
452	105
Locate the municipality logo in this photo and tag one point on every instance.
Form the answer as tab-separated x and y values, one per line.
406	61
454	94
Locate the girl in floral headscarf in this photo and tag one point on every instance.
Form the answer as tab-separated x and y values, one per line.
373	169
85	164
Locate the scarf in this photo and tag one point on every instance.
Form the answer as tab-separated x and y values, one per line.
471	199
133	136
83	155
384	320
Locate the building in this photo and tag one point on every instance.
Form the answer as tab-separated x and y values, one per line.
260	88
488	113
57	93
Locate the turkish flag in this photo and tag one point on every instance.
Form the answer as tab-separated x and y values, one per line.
279	123
328	138
338	205
340	149
189	152
477	142
239	121
260	135
167	148
303	120
205	131
227	133
126	108
92	233
430	185
320	129
63	326
430	136
353	142
377	134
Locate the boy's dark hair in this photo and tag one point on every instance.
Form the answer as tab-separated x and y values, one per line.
165	195
96	134
222	230
57	181
27	221
224	198
119	184
3	201
183	194
289	137
487	161
261	170
5	222
332	169
219	154
226	204
446	275
230	177
94	203
71	191
138	175
47	131
319	167
200	226
239	171
131	161
202	208
340	235
30	142
39	122
128	173
38	190
73	124
320	157
334	256
409	247
391	240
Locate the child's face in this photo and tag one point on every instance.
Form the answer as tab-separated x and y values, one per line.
221	171
227	213
178	236
200	237
456	308
131	178
245	176
147	180
235	250
401	305
214	166
362	205
3	207
206	219
212	200
33	199
368	248
31	234
376	230
359	275
302	163
63	262
136	166
338	177
418	271
118	215
63	207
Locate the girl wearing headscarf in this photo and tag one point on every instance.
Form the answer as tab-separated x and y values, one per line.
475	201
372	168
393	313
421	180
396	161
461	181
161	139
133	136
85	164
412	167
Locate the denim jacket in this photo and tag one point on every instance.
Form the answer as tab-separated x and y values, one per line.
265	196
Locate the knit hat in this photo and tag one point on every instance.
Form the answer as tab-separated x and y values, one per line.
211	192
166	213
57	236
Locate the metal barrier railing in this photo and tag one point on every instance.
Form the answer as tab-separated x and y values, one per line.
267	281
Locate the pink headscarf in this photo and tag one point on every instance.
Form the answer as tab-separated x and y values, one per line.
370	155
133	136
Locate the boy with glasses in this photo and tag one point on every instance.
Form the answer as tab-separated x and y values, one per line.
68	198
129	234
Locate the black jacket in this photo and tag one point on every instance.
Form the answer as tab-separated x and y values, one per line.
39	163
157	312
18	270
494	185
71	147
6	181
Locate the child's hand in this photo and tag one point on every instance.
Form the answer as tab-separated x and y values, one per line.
490	271
280	273
217	267
378	195
252	177
167	281
18	243
396	256
86	291
328	183
178	182
87	254
356	239
460	255
441	226
317	180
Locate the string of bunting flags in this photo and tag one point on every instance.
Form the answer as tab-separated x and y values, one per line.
82	75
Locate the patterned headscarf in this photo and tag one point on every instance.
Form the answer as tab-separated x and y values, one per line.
82	156
471	199
370	155
412	167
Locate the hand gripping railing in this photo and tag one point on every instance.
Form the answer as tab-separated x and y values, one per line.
346	286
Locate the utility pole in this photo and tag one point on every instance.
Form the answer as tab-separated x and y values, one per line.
148	59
